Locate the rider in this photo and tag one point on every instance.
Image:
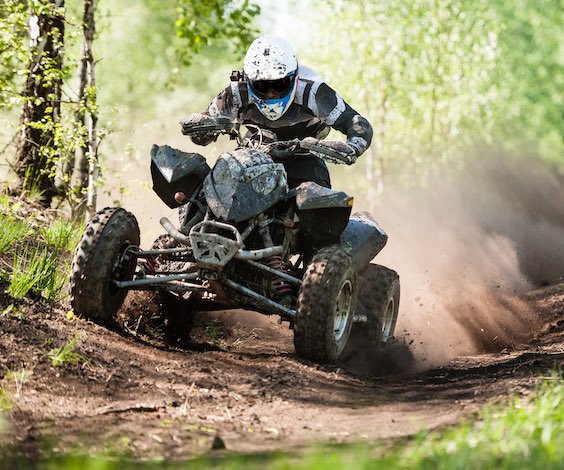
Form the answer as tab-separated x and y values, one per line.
293	101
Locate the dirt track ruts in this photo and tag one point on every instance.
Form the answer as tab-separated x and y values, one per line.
240	380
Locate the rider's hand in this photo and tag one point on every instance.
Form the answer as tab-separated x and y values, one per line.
283	148
310	141
204	138
192	122
346	151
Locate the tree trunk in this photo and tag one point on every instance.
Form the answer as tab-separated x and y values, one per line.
41	101
89	31
80	168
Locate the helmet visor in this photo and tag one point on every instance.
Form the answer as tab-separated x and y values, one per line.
273	89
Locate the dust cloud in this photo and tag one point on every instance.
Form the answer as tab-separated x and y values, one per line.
468	249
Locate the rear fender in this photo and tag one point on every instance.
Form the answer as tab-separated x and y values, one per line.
365	238
323	213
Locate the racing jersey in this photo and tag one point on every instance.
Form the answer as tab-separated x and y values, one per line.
316	108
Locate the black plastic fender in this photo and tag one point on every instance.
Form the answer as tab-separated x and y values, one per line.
173	170
364	237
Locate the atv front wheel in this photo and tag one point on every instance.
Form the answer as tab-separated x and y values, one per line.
99	261
326	304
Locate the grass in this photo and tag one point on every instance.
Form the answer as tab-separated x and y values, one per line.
4	201
520	434
40	265
5	402
11	231
215	330
36	269
62	234
66	354
19	378
33	193
11	311
525	433
11	388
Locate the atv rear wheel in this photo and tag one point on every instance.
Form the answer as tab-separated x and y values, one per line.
380	294
99	260
326	303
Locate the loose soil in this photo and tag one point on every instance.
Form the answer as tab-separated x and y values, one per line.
237	383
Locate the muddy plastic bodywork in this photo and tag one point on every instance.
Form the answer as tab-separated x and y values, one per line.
244	183
175	171
323	213
364	237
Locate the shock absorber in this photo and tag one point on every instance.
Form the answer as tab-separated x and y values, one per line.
280	286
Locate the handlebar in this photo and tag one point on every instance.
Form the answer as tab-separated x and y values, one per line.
219	128
199	124
296	147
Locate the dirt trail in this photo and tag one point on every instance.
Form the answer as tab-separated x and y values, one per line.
239	380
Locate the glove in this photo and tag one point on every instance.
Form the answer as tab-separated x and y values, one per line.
199	120
204	138
283	148
310	141
344	149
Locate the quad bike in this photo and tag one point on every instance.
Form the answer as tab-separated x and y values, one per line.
246	240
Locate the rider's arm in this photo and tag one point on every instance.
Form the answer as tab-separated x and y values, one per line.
227	104
335	112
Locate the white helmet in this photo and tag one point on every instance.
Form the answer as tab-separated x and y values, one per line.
271	70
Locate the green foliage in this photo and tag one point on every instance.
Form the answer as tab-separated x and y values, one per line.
13	50
437	77
529	77
200	22
66	354
143	57
163	45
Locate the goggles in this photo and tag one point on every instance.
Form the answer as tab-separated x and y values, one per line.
273	89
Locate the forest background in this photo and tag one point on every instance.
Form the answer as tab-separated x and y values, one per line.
442	82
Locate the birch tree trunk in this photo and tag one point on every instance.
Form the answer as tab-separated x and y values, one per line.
85	175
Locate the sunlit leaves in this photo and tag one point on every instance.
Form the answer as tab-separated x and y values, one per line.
200	22
435	77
